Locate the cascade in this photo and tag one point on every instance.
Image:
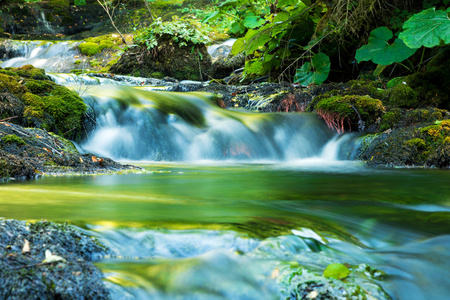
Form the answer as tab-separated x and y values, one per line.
135	124
51	56
148	122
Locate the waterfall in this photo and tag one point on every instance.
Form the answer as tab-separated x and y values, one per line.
47	24
135	124
51	56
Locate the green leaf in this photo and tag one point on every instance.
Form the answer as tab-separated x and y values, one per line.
315	72
428	28
380	52
336	271
214	15
238	46
251	21
281	17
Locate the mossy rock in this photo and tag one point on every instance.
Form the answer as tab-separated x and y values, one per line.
10	84
8	72
397	117
89	48
54	107
28	71
403	96
94	45
390	118
354	113
420	146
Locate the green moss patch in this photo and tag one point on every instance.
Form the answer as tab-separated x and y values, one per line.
350	112
403	96
94	45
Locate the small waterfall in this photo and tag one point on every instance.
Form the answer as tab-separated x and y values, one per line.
51	56
134	124
47	25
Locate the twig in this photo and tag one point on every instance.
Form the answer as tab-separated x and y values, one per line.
10	118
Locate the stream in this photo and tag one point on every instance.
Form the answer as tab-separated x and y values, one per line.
234	205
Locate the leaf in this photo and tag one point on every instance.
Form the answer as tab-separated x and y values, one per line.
49	257
428	28
315	72
26	247
380	52
252	21
214	15
336	271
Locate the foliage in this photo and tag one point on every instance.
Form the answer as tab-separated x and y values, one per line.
428	28
380	51
315	72
275	31
182	32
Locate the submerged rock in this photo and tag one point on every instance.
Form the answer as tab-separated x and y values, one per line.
44	260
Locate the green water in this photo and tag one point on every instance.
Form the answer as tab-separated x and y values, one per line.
217	231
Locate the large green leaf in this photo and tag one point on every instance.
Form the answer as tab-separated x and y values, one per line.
315	72
380	51
428	28
252	21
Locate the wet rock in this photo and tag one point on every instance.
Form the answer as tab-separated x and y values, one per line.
24	275
27	153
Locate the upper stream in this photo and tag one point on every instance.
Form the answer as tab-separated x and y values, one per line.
233	204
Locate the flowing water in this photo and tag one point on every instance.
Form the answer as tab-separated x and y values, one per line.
232	204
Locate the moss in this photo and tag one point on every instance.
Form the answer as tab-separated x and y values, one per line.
356	111
94	45
10	84
89	48
389	119
417	143
76	71
8	72
77	62
437	133
395	81
158	75
403	96
12	139
62	109
28	71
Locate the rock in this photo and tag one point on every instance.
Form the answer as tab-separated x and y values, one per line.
24	275
168	58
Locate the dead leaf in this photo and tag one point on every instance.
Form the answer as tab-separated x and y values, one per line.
26	247
94	159
48	150
81	159
49	257
38	136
